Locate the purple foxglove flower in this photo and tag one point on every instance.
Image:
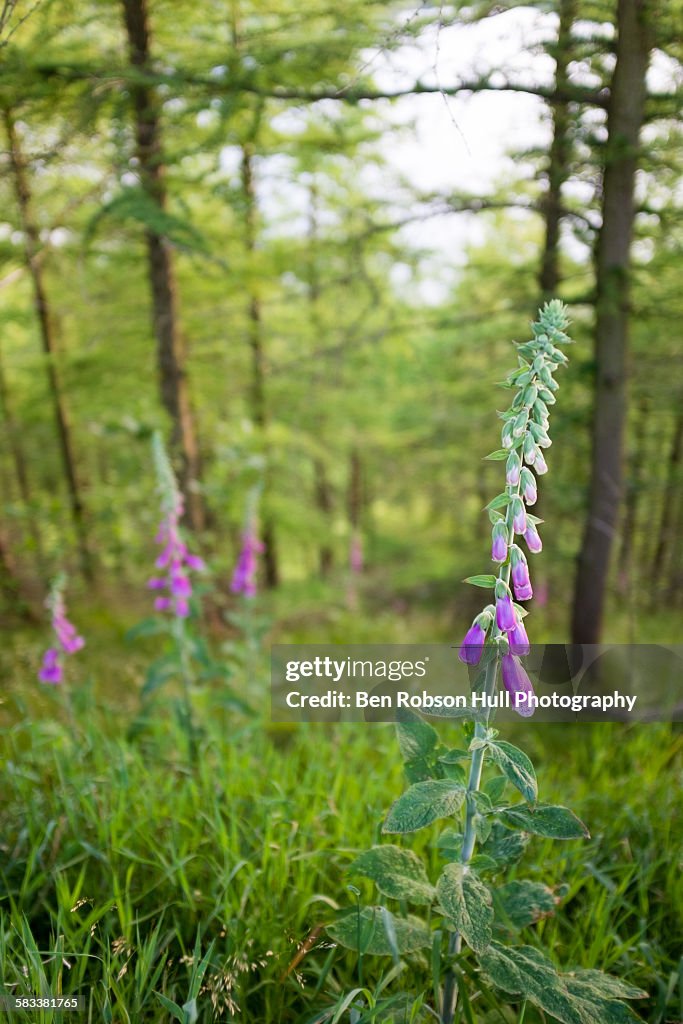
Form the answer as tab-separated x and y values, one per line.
244	576
518	639
518	517
499	543
540	465
175	559
516	681
512	468
529	486
472	645
505	613
521	582
356	555
68	639
51	670
533	539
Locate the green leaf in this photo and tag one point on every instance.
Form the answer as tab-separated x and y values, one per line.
423	803
466	902
416	738
546	820
500	501
480	862
503	846
485	580
521	903
418	770
516	766
606	986
409	933
454	755
500	455
525	972
495	788
397	873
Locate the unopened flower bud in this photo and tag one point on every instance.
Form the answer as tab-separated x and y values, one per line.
499	542
540	465
529	486
532	538
512	469
518	516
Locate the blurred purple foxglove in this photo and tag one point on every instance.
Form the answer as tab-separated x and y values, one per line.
516	681
518	639
175	559
68	639
244	576
51	670
505	613
499	543
533	539
473	644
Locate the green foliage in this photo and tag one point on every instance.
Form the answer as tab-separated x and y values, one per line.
467	904
397	873
376	931
423	804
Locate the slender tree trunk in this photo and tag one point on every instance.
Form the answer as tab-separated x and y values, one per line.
175	395
48	338
667	535
324	497
259	408
628	530
559	157
19	460
624	121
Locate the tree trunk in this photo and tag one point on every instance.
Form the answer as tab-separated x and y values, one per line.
624	120
48	338
259	409
323	500
175	395
19	460
628	531
559	156
667	536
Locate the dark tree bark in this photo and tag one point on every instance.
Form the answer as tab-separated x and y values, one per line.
259	408
631	501
175	394
667	534
16	449
48	337
559	156
625	116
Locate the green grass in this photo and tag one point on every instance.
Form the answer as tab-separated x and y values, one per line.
131	877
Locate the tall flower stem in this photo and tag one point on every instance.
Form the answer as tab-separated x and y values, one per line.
187	715
450	993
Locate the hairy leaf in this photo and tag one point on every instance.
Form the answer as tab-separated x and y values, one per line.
522	902
396	872
416	738
366	932
423	803
467	903
546	820
515	764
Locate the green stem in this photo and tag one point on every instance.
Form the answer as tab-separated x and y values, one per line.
186	681
450	992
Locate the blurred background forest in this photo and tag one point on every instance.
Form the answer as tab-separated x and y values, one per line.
212	225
